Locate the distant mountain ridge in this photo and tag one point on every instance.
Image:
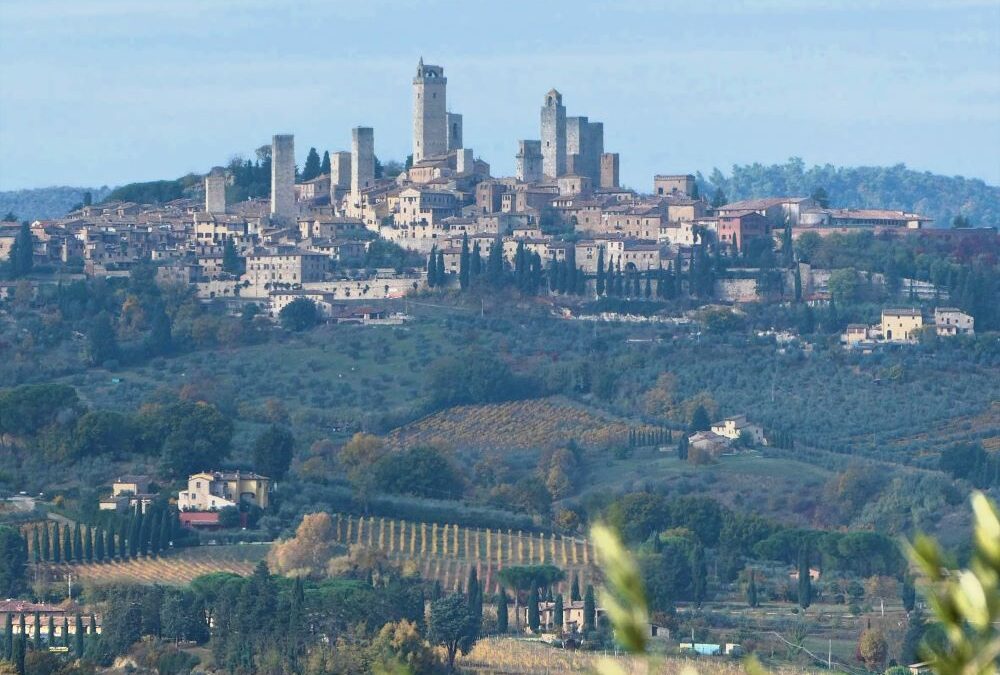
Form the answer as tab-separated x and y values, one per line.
47	202
874	187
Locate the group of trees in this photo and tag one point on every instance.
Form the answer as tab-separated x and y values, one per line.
138	534
22	254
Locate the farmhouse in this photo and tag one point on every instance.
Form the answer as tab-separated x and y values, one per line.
901	325
214	490
128	492
734	427
62	617
950	321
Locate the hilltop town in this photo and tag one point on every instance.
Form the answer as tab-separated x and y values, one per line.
365	415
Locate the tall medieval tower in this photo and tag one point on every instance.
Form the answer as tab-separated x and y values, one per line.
430	120
553	135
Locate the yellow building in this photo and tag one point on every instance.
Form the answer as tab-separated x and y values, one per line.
900	325
215	490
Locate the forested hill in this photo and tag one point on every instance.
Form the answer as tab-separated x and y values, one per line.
50	202
895	187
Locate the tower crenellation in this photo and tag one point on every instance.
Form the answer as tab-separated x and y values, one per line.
430	116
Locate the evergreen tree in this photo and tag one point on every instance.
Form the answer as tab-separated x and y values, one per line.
145	519
805	583
476	260
134	527
494	264
102	345
648	293
589	610
8	638
36	545
99	541
908	593
557	613
474	597
88	544
798	284
432	267
533	609
312	167
601	280
19	654
231	260
36	631
67	544
324	168
46	550
752	589
520	267
154	532
65	631
682	448
123	536
700	420
502	611
699	575
78	642
109	542
56	544
574	589
22	254
718	198
52	630
916	628
166	528
442	276
464	264
787	251
77	544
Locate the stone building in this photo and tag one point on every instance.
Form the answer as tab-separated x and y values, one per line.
215	190
340	175
362	166
283	177
680	185
584	147
609	170
430	118
553	135
529	161
454	130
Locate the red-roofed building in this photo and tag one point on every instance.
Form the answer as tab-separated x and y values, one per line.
735	228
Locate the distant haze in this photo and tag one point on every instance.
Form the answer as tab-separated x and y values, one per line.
107	92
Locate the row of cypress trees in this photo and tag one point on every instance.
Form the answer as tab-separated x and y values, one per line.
14	647
139	534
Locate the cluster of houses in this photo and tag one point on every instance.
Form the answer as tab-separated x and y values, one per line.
55	623
207	494
906	325
565	202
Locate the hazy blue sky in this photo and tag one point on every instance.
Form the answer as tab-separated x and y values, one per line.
111	91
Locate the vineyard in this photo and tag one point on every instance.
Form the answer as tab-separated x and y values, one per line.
983	427
537	424
176	569
446	553
506	655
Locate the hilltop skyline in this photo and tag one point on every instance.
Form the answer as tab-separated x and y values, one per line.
115	92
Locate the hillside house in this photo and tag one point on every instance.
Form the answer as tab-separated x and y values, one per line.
949	321
734	427
215	490
127	493
901	325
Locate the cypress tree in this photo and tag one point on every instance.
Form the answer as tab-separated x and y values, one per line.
648	292
432	267
123	536
699	575
52	631
805	583
464	263
601	281
135	527
557	613
475	603
99	541
494	263
154	532
56	552
909	594
22	626
324	167
8	638
109	544
682	448
46	553
19	654
589	610
36	630
477	260
67	545
442	277
77	543
533	609
36	545
752	589
166	529
574	589
502	611
78	642
88	544
144	523
65	631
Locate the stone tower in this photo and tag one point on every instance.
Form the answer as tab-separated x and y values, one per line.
454	131
553	135
430	119
529	161
609	170
215	190
362	160
283	177
340	169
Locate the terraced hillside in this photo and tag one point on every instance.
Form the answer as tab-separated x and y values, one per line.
519	425
446	552
176	569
